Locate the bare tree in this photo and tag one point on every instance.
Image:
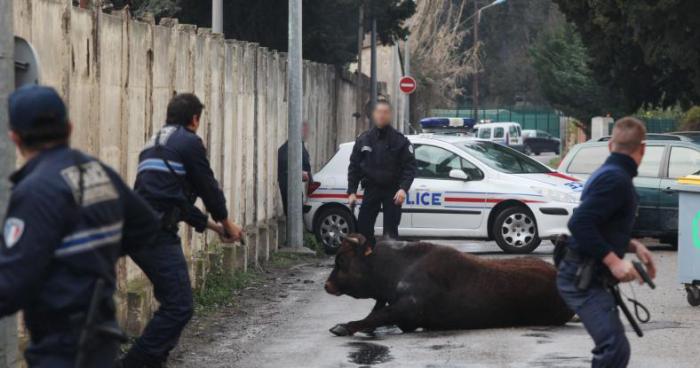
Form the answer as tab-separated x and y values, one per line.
438	30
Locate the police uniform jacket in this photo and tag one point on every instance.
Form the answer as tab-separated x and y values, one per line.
381	158
604	220
173	171
69	219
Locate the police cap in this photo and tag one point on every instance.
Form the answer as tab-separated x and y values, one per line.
33	107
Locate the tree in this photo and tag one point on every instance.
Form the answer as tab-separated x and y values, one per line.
647	51
329	26
561	63
691	119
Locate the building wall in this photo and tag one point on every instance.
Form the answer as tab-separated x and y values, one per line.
117	76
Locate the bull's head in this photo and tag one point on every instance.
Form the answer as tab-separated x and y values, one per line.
351	274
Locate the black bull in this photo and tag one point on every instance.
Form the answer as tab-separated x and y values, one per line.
422	285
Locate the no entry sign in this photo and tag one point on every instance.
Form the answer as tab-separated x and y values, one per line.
407	85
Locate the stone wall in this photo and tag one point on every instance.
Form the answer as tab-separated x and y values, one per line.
117	75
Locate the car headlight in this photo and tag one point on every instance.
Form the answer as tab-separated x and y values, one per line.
554	195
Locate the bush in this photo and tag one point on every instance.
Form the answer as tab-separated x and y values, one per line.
691	119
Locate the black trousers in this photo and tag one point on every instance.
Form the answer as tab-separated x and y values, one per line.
379	199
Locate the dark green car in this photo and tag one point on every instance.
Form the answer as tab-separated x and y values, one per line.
664	162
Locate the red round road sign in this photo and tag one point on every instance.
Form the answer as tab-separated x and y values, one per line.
407	85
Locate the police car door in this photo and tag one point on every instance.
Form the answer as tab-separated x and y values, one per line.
442	201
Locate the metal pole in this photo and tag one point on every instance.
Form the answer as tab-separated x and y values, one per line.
217	16
360	47
407	71
475	78
8	326
374	92
295	230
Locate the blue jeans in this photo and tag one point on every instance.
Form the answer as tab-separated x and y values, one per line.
598	312
164	264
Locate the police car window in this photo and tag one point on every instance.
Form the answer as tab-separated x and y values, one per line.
588	159
513	131
684	161
503	158
485	133
651	162
498	132
436	163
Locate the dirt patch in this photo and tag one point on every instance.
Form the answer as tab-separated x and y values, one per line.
229	332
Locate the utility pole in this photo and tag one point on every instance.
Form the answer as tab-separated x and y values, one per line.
475	78
373	87
8	326
360	47
217	16
295	230
407	71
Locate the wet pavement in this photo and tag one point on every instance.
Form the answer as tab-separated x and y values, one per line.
288	327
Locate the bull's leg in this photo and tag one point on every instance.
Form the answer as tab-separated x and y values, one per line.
377	306
395	314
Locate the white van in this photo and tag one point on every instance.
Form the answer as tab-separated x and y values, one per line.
508	134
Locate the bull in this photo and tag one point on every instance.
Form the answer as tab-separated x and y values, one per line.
423	285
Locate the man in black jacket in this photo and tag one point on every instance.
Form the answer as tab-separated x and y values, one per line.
283	157
382	161
601	233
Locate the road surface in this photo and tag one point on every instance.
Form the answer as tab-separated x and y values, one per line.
288	327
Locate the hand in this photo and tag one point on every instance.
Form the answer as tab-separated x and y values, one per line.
644	256
213	226
231	232
305	176
352	199
399	197
621	269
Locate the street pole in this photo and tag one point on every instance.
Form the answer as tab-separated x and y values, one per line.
475	78
217	16
295	230
373	87
8	326
407	71
360	47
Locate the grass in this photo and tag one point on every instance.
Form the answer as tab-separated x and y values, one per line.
219	289
554	162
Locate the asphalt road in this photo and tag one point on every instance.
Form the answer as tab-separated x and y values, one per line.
293	332
544	157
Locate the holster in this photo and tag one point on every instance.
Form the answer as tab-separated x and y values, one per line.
170	219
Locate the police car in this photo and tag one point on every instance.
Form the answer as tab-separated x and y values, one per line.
464	188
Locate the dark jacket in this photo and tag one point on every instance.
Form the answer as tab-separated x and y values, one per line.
381	158
58	239
283	158
191	177
604	220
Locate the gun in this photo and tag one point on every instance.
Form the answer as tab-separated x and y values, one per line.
92	327
643	272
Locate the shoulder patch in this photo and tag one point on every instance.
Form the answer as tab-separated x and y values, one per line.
13	231
366	148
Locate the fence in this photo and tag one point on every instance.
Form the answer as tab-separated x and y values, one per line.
117	75
529	118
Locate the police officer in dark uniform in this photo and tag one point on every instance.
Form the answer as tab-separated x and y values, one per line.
70	218
282	158
173	172
382	161
600	237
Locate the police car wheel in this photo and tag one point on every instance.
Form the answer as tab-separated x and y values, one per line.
515	230
331	223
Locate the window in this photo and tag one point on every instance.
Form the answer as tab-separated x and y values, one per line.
498	132
684	161
485	133
514	131
541	134
651	162
503	159
436	163
588	159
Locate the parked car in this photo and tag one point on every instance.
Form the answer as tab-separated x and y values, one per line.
507	134
464	188
657	137
664	162
538	141
691	135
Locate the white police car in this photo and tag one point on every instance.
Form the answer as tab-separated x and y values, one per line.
464	188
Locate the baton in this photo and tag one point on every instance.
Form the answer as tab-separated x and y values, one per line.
615	290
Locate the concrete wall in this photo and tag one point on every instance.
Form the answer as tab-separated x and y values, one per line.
117	75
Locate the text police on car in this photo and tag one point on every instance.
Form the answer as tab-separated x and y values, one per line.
70	218
382	160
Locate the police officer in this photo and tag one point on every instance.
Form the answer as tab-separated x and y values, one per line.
382	160
600	237
173	172
69	219
283	157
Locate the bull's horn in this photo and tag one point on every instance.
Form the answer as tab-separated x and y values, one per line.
352	240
